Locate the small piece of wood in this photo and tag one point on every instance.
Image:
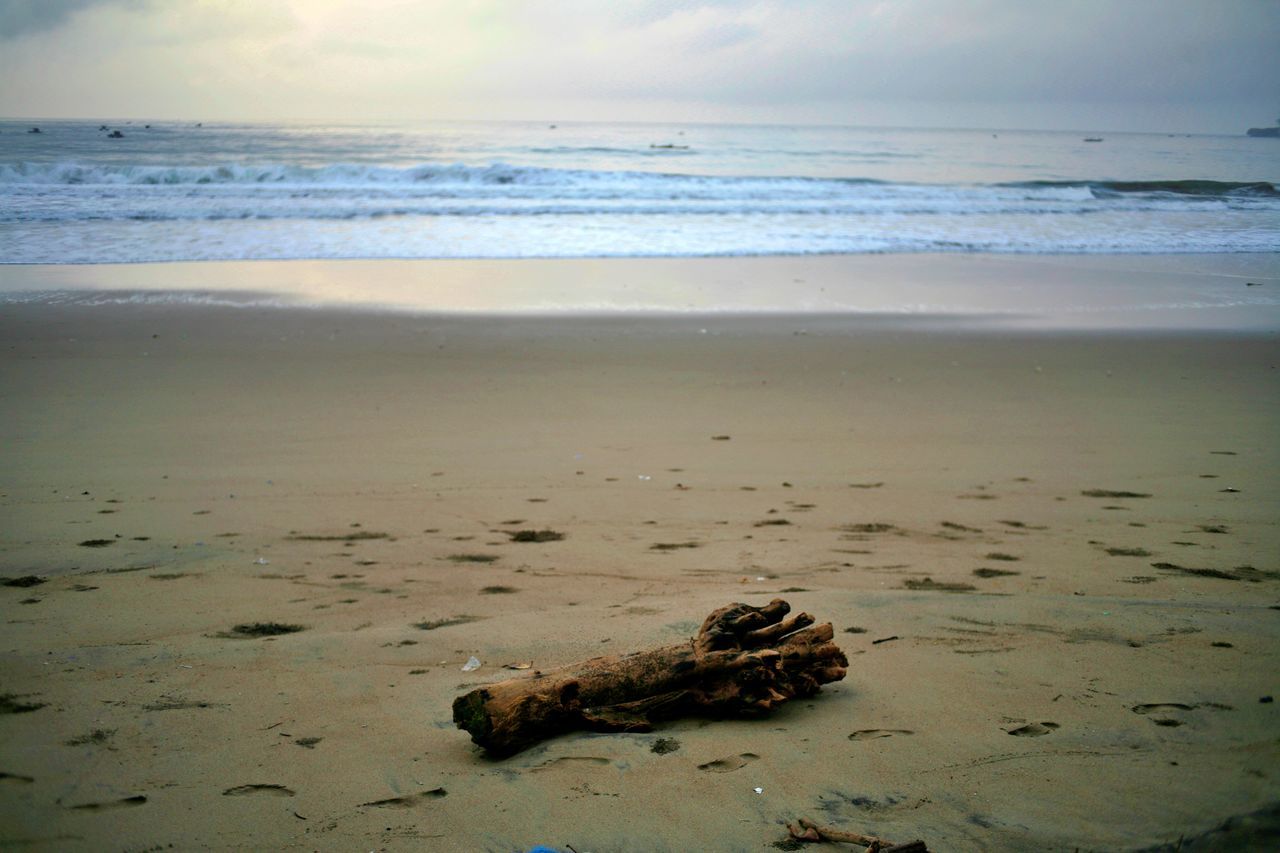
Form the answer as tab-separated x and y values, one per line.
744	660
807	830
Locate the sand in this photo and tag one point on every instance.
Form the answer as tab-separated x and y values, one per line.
1034	664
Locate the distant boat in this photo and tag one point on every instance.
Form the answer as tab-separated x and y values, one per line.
1264	131
115	134
35	130
1093	139
667	146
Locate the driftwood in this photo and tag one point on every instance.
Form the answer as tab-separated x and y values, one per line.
744	660
807	830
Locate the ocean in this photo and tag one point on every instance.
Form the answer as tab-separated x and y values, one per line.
170	191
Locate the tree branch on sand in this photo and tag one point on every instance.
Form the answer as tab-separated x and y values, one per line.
744	660
807	830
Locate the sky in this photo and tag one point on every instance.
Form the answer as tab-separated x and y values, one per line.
1148	65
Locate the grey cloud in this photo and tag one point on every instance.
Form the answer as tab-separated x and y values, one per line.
24	17
996	50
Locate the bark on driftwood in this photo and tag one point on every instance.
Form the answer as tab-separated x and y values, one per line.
744	660
807	830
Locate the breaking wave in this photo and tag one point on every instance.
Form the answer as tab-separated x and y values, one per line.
105	211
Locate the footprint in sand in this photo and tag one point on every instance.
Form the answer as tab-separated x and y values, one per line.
1034	729
124	803
1163	708
872	734
407	802
268	790
729	763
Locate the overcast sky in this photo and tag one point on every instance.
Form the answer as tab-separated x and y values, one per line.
1163	65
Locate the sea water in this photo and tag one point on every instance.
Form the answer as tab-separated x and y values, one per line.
182	191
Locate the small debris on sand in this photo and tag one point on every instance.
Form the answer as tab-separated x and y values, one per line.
937	586
431	625
24	581
263	629
993	573
97	736
871	527
356	536
12	703
545	535
664	746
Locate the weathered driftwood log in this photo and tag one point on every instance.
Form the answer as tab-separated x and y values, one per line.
744	660
807	830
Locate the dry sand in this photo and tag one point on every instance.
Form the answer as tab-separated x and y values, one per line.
1108	689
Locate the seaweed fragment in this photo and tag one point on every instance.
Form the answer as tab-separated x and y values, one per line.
355	536
12	703
544	535
433	624
263	629
23	582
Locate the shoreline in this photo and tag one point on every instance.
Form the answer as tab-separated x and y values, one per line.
1018	291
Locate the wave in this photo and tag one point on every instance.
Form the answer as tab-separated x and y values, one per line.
72	212
568	237
346	175
76	192
1196	188
340	174
206	298
504	180
325	208
575	150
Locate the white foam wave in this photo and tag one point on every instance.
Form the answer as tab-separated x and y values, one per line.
206	298
72	212
344	175
74	192
563	236
505	179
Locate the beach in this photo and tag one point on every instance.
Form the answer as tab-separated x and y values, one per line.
1047	545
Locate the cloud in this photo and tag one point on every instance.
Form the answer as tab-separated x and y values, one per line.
773	51
713	59
22	17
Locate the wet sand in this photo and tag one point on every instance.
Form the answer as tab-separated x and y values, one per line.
1224	292
1049	556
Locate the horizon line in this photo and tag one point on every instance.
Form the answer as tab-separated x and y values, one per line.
574	121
